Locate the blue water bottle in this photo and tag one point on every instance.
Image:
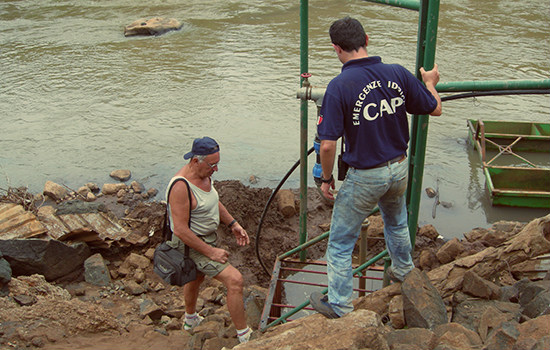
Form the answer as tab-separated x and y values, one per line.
317	169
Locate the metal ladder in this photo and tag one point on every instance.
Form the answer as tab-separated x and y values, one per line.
312	275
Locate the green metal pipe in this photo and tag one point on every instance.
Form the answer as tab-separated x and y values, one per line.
303	126
303	246
467	86
372	261
363	247
406	4
283	318
420	43
429	17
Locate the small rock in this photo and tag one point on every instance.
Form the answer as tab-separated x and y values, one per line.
428	231
83	191
449	251
149	308
173	324
109	189
138	261
93	187
132	287
121	174
152	192
139	275
137	187
395	312
161	331
96	271
90	197
55	191
24	300
427	259
38	342
479	287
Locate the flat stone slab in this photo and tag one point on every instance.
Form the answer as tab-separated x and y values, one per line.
97	229
16	222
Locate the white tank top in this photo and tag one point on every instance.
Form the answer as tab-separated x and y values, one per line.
205	218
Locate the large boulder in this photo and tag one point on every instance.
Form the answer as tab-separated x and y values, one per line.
422	304
357	330
5	270
49	258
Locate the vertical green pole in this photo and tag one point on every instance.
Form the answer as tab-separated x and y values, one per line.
427	36
303	126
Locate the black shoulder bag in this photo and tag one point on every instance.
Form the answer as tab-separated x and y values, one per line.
169	263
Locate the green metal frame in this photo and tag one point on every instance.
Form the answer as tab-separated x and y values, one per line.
303	125
467	86
426	43
426	46
425	57
429	11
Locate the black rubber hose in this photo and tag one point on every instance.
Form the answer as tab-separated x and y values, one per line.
281	183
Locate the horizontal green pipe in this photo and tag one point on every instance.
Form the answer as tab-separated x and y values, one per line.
304	246
464	86
372	261
315	240
291	312
406	4
318	93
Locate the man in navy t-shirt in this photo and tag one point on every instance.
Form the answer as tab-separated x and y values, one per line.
367	104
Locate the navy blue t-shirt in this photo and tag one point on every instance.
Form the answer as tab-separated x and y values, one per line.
368	104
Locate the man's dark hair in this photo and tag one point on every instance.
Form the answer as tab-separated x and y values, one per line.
348	33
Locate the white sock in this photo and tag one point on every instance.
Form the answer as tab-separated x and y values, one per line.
241	332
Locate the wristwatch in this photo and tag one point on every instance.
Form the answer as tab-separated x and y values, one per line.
327	181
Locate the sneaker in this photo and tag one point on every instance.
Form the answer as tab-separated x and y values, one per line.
392	276
192	322
244	337
321	305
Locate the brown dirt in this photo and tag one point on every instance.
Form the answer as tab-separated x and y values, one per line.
76	315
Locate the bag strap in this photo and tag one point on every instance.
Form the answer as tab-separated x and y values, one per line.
167	231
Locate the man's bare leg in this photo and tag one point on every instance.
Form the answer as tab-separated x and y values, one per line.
233	281
191	294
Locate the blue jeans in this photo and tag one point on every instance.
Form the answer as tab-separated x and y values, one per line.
361	191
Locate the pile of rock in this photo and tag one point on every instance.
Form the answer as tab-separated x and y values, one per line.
475	324
488	291
163	309
91	191
472	302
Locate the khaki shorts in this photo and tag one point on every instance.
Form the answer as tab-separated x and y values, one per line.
204	264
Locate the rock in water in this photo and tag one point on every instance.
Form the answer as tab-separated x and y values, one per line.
153	26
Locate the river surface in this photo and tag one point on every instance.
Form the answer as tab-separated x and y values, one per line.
78	99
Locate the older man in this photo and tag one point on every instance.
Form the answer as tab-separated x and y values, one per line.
206	213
